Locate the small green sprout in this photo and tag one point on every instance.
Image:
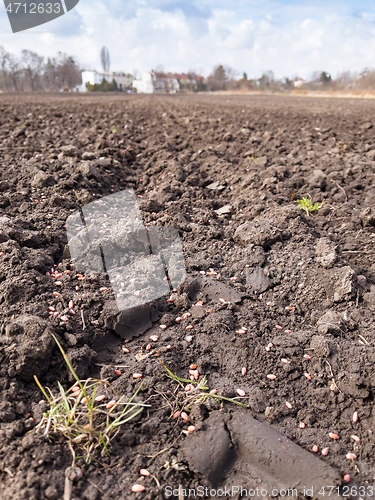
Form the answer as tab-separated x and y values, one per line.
113	130
202	396
255	159
308	206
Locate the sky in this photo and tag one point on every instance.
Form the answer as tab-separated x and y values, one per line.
290	37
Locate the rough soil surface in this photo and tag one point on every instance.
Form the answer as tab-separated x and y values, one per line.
225	172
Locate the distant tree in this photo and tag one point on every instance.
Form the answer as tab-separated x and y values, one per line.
230	73
366	79
105	59
288	83
113	86
60	72
266	80
50	74
217	80
325	78
67	71
345	80
244	76
4	59
201	85
33	66
14	71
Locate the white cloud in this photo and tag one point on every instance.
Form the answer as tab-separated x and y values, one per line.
252	36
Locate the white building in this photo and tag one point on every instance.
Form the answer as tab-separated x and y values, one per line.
152	81
123	80
298	82
145	84
93	77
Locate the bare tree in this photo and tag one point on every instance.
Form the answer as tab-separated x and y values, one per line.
50	75
33	67
14	71
105	59
60	72
231	73
4	60
366	79
231	78
346	80
218	79
67	71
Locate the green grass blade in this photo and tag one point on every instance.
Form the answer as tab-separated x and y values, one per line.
171	374
68	362
131	399
42	389
103	443
215	396
118	422
64	398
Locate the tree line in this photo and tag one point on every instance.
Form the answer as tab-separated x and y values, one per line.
225	78
31	72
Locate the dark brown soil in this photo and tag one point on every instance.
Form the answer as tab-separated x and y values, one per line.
306	284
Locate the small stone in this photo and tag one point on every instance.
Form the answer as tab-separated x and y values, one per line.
104	162
325	252
41	179
88	155
368	216
320	345
226	209
215	186
331	322
369	298
258	280
344	288
69	150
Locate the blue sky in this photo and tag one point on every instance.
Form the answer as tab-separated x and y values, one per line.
289	37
